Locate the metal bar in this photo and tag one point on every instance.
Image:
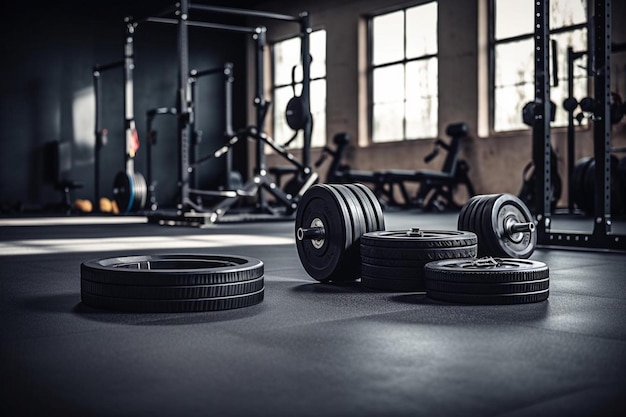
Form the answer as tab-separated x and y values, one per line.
98	134
206	25
602	122
243	12
571	133
541	127
129	115
305	30
182	104
106	67
261	109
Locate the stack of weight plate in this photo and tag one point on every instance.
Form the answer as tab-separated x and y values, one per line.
487	281
172	283
394	260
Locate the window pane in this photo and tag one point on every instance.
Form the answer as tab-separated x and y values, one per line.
317	48
567	13
388	38
509	103
388	84
286	55
514	63
421	30
421	99
514	17
282	132
578	40
387	123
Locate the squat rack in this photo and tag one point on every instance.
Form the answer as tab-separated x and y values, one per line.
186	207
600	69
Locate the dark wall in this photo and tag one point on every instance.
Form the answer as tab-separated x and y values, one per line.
46	94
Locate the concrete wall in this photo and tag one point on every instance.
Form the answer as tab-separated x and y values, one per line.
496	160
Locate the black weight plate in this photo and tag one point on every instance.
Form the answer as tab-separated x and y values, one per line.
378	210
462	219
402	239
470	215
588	188
397	285
488	242
394	256
160	292
124	191
171	270
578	181
519	245
516	298
387	272
488	288
323	259
359	225
371	222
486	270
172	306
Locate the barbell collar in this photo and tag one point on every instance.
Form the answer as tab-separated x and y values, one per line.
311	233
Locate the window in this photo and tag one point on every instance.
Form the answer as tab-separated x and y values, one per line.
403	68
512	57
286	57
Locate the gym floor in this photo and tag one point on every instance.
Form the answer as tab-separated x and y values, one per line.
308	349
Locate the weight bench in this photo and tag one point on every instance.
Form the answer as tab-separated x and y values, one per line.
435	187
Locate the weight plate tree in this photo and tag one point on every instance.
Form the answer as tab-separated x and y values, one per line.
503	224
394	260
172	283
487	281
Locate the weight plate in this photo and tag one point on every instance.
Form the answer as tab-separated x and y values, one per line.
359	225
159	292
507	209
172	270
463	215
382	256
368	211
172	306
486	270
378	210
516	298
419	239
488	240
141	191
577	176
322	206
397	285
124	191
386	272
488	288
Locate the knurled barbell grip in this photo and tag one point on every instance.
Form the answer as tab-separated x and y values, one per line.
311	233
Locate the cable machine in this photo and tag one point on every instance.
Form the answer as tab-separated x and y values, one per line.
600	70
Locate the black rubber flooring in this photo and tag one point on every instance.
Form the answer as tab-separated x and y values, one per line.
308	349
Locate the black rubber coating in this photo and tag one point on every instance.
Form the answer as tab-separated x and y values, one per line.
394	256
371	222
327	262
485	271
488	288
517	298
172	293
378	209
172	270
464	213
172	306
427	239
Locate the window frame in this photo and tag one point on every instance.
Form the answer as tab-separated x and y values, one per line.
371	67
493	42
